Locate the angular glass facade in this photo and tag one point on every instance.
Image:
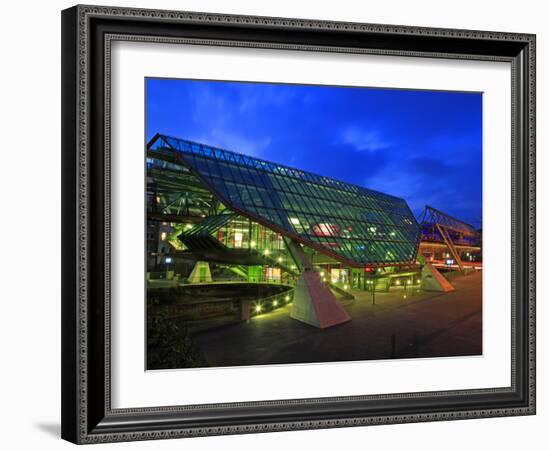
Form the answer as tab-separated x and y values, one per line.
352	224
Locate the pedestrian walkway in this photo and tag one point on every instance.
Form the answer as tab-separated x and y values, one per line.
402	324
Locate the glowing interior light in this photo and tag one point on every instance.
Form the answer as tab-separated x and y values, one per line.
418	281
287	298
266	252
326	229
279	259
294	221
397	283
163	236
275	302
188	226
346	287
293	266
405	296
372	229
168	260
238	240
408	281
252	244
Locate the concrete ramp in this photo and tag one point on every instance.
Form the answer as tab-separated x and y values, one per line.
432	280
315	304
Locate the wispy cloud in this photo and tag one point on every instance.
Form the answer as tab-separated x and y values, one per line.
424	146
364	139
223	138
258	97
424	181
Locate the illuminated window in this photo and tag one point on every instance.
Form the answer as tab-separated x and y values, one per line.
272	274
352	224
238	240
334	275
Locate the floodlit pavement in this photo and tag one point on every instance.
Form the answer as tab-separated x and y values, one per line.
424	324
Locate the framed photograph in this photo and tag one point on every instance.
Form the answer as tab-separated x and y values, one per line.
280	224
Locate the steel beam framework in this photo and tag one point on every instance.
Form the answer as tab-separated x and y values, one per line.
354	225
437	226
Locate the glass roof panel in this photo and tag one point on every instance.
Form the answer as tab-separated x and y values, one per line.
352	223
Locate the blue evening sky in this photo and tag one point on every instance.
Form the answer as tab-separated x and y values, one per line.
423	146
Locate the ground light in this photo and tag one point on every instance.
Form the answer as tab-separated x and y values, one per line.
258	308
275	303
287	298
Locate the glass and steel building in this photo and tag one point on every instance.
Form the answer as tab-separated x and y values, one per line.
217	216
249	203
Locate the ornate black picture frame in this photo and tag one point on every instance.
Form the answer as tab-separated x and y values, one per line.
87	34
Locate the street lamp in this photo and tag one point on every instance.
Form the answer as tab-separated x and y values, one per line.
167	260
372	288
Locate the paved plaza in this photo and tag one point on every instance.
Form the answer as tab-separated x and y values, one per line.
401	324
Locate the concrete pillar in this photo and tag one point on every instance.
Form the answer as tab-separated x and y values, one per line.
200	273
315	304
245	311
432	280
